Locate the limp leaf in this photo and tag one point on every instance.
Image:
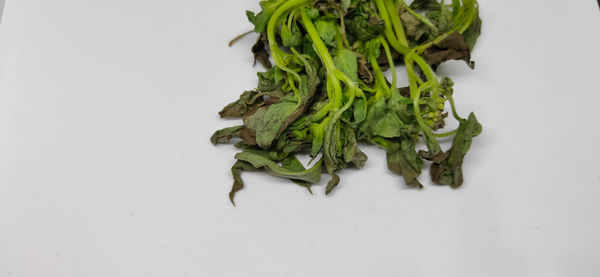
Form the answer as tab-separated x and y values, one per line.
260	160
224	135
449	171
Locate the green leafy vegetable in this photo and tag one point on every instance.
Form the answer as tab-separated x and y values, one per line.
325	91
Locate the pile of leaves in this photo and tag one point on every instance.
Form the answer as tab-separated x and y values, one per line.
325	90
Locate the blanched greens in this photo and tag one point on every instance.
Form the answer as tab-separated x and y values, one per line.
325	90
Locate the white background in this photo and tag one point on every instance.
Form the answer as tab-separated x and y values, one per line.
106	169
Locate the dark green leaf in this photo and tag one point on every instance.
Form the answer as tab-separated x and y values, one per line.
473	32
365	27
293	164
449	170
269	122
259	160
402	158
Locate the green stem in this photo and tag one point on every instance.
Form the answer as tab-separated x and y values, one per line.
447	134
396	22
271	26
421	18
415	95
388	54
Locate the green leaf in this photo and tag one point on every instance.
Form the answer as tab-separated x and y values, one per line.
248	101
345	61
261	20
365	27
326	30
291	38
382	121
472	33
259	160
268	80
293	164
449	170
360	110
445	19
318	136
269	122
312	13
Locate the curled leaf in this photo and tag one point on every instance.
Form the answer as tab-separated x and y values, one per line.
238	183
333	182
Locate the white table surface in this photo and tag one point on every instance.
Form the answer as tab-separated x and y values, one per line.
106	169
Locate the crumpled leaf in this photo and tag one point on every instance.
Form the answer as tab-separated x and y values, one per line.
365	27
452	47
449	170
385	117
402	158
269	122
248	101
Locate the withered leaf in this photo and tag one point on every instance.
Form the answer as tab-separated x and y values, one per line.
414	28
452	47
224	135
270	121
333	182
404	160
260	159
259	49
449	170
238	183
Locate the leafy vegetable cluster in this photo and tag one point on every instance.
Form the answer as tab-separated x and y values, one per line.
326	91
